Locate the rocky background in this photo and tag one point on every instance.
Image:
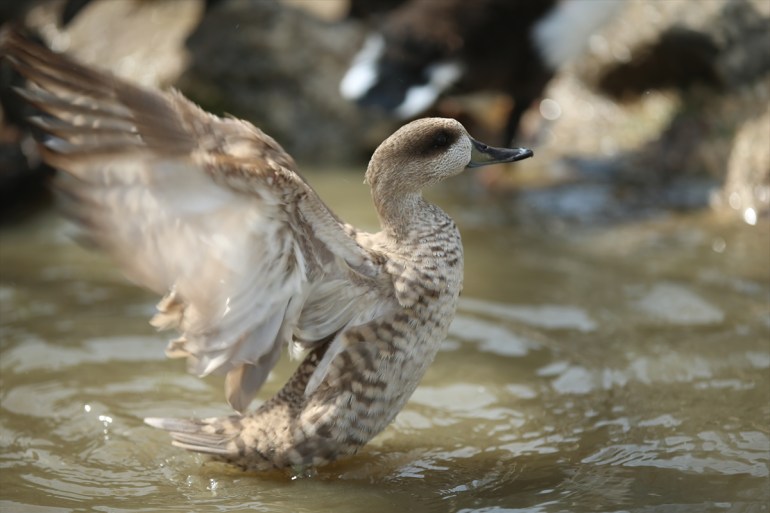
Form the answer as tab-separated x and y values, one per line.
669	108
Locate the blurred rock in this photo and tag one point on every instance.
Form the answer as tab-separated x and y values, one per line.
723	131
747	188
141	40
279	66
673	139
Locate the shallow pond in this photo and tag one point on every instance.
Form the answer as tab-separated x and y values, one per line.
624	368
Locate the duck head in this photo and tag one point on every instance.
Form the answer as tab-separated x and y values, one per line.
420	154
427	151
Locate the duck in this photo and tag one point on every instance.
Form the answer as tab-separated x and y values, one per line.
423	49
213	215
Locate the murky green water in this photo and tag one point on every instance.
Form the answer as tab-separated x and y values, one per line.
614	369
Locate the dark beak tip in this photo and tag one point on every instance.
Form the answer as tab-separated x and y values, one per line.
522	154
484	154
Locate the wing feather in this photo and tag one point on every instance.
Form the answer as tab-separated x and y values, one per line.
209	212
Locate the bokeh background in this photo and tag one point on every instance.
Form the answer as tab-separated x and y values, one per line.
612	348
665	107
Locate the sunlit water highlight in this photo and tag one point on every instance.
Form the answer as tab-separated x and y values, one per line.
615	369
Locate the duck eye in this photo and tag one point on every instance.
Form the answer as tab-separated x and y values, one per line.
437	142
441	140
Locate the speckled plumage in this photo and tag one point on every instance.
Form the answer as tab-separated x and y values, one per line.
212	213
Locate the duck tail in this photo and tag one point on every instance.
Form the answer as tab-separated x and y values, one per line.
216	436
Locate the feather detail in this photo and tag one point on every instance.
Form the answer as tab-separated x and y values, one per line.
209	212
208	436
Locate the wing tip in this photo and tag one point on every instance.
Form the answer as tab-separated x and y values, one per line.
197	435
175	425
156	422
10	33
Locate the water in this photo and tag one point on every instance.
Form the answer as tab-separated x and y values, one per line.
623	368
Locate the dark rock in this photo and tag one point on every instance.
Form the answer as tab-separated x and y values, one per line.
280	67
684	137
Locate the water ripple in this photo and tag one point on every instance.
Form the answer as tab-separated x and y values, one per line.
731	454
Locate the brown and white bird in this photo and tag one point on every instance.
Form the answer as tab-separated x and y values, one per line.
212	213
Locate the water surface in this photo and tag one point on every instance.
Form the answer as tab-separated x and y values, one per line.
622	368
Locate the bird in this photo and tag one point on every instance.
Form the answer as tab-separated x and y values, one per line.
423	49
212	214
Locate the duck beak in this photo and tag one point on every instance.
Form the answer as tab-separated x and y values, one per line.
483	155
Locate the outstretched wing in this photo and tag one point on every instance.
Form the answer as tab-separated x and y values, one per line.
208	211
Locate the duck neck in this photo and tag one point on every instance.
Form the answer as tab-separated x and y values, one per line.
400	212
